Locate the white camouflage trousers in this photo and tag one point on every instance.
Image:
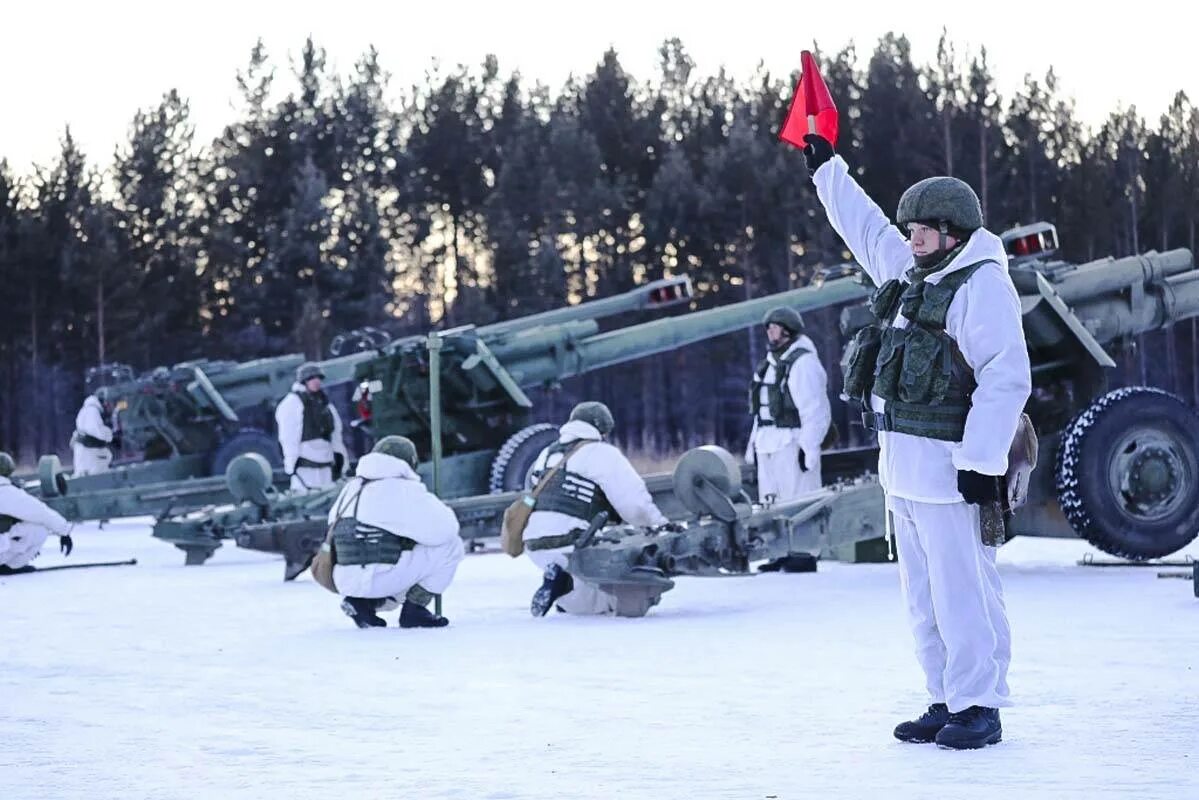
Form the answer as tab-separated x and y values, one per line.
955	603
585	598
21	544
90	460
779	474
432	567
308	479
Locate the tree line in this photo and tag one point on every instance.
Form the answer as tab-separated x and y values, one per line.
335	201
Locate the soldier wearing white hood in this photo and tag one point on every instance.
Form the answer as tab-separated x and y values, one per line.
596	477
791	415
25	522
93	437
401	541
943	378
314	453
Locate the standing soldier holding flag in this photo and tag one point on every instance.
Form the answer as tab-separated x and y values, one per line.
943	378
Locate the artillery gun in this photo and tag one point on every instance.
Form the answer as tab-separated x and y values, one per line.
472	391
1126	472
192	420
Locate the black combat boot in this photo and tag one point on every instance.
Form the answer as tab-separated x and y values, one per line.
557	583
977	726
7	570
362	611
414	615
924	728
793	562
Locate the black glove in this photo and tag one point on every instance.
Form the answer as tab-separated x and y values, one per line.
977	488
803	462
817	151
671	527
65	544
339	464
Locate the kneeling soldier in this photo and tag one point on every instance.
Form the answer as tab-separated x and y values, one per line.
595	477
393	539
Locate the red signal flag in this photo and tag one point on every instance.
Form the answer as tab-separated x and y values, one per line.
812	108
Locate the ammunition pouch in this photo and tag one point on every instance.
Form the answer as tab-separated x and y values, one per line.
356	543
889	364
858	362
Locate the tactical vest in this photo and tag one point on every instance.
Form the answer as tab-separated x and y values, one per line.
779	402
569	492
918	370
318	416
6	522
356	544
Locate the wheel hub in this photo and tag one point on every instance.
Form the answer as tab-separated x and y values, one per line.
1149	473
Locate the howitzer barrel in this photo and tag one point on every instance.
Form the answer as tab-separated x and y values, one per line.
1109	318
341	369
1107	276
657	294
252	382
564	337
566	359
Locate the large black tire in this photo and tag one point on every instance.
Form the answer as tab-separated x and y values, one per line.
247	440
1128	473
515	458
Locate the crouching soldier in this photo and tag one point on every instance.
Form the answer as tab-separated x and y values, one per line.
25	522
394	540
593	476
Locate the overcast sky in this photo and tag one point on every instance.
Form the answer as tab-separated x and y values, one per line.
93	64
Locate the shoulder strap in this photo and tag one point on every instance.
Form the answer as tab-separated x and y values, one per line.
341	511
954	280
793	356
552	471
358	497
930	306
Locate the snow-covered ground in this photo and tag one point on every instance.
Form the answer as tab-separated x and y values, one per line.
160	681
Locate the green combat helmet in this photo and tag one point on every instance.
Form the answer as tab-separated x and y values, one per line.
941	199
785	317
596	415
400	447
309	370
7	465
